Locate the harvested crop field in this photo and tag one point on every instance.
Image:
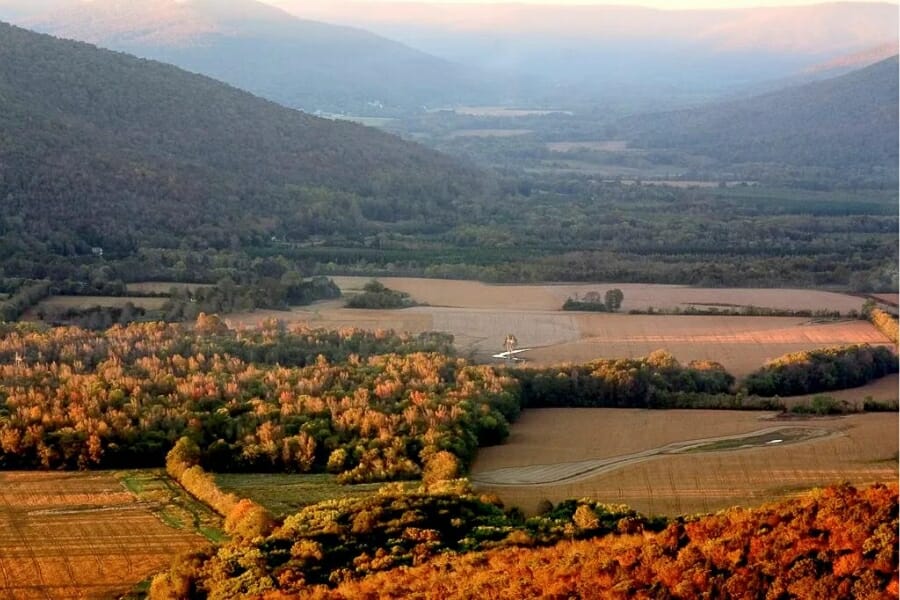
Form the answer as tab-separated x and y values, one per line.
887	298
812	452
741	344
79	535
638	296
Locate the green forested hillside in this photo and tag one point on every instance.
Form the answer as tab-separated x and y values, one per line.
102	149
848	121
177	177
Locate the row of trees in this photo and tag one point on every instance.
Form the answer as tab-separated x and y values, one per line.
611	301
22	297
884	322
244	518
821	370
655	381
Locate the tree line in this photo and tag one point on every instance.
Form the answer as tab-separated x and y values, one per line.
365	406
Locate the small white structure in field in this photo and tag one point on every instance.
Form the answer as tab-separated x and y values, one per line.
511	351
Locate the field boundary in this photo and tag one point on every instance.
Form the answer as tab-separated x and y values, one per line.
570	472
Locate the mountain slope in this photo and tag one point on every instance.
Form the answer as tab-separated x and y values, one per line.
299	63
100	148
847	121
599	49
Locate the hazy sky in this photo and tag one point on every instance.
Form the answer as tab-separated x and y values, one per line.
672	4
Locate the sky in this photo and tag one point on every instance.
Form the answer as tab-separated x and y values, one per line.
670	4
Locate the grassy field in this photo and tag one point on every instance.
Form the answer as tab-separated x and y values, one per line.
719	472
85	535
283	494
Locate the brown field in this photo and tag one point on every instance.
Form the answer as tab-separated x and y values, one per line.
480	316
488	133
162	287
473	294
79	535
859	449
891	299
741	344
150	303
886	389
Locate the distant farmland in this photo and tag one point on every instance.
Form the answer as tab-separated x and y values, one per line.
83	535
480	316
858	448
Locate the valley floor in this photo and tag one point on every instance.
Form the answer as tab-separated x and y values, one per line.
480	316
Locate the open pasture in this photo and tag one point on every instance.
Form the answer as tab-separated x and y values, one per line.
619	456
79	535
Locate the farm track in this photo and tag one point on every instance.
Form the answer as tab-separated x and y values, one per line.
570	472
859	449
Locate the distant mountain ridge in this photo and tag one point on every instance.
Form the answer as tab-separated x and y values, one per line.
857	60
299	63
599	52
847	121
104	149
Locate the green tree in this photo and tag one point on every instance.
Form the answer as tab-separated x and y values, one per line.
613	299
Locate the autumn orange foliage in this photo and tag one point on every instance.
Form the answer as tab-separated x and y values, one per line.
831	544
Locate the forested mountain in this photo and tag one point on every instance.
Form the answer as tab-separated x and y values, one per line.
102	149
845	122
299	63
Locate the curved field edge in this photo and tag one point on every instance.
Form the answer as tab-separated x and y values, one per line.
862	450
556	473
